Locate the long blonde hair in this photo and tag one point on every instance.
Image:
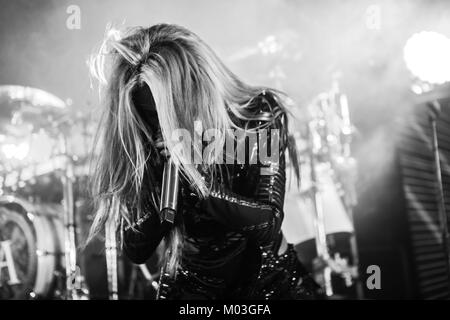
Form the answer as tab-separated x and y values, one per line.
188	83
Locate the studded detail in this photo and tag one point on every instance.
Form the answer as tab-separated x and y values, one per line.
238	201
139	222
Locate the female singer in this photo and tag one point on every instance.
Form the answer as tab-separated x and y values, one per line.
226	239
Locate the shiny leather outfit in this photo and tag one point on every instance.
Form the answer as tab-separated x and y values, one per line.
232	238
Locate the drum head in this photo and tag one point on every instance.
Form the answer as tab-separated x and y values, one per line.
18	259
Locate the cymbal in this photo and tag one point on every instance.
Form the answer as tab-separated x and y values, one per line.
27	107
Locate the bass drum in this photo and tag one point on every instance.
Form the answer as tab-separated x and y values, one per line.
31	251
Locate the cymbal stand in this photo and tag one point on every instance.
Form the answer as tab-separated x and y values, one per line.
75	287
322	151
319	223
111	258
351	198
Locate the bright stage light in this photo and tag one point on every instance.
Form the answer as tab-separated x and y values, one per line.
12	151
427	56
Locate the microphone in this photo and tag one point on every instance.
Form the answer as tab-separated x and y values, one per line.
169	192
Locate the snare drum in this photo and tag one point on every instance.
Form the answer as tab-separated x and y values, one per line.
31	251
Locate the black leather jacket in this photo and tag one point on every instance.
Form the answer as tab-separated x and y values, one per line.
231	238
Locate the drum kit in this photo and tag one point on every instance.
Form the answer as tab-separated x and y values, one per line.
45	212
322	206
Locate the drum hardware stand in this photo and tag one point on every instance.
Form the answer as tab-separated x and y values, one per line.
327	264
434	111
320	236
75	286
111	264
346	132
355	255
111	258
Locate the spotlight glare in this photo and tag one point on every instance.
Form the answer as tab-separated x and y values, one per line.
427	56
